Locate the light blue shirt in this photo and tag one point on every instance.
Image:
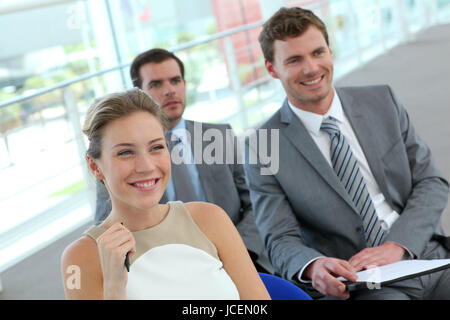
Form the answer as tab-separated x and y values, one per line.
180	131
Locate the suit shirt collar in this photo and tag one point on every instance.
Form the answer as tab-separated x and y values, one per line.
180	131
313	121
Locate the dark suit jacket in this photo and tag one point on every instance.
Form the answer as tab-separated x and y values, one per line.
223	184
303	211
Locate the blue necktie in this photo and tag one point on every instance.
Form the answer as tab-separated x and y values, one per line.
348	172
184	190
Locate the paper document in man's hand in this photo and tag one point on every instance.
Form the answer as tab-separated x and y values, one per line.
375	277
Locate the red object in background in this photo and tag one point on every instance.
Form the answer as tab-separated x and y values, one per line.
230	14
145	15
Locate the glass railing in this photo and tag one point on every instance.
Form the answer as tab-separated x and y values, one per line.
46	189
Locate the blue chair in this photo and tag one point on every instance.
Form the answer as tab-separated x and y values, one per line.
281	289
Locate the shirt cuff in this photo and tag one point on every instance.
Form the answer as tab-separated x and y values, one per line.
300	274
408	254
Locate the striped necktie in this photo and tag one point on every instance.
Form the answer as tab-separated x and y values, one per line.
348	172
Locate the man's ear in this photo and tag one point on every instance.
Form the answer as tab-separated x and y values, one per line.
95	169
271	69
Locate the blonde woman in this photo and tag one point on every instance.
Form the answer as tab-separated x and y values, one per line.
175	250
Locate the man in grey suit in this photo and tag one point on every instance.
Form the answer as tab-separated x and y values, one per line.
161	75
356	187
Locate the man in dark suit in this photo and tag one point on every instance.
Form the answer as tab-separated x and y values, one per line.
161	75
356	186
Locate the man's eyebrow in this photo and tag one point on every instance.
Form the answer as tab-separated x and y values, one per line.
319	48
153	81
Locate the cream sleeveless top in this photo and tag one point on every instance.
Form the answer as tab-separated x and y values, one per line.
174	260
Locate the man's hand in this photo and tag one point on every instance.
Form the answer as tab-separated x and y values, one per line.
387	253
323	273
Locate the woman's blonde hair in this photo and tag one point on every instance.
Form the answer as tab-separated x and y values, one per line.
112	107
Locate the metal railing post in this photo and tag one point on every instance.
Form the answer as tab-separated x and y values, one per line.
355	30
381	26
404	25
235	81
74	119
10	160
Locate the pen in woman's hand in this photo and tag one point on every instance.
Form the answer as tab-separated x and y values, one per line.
127	259
127	262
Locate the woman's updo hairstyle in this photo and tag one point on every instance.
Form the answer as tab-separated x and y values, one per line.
112	107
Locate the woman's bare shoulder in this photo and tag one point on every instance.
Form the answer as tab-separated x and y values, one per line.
206	213
82	252
81	270
212	220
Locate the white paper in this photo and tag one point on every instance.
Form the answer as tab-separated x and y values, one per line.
398	270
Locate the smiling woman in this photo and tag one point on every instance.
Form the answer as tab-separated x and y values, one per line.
134	157
172	251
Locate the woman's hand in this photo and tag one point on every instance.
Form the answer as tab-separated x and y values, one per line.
113	246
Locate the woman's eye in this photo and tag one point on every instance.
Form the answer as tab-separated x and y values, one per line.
158	147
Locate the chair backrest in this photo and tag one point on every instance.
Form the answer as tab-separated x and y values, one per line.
281	289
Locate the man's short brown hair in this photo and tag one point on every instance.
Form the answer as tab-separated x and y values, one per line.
155	55
288	23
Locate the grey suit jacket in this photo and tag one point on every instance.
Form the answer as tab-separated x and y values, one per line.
223	184
303	211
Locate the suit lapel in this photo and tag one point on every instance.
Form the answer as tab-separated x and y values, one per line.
202	169
298	135
364	131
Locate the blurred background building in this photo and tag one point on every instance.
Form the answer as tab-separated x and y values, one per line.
57	56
